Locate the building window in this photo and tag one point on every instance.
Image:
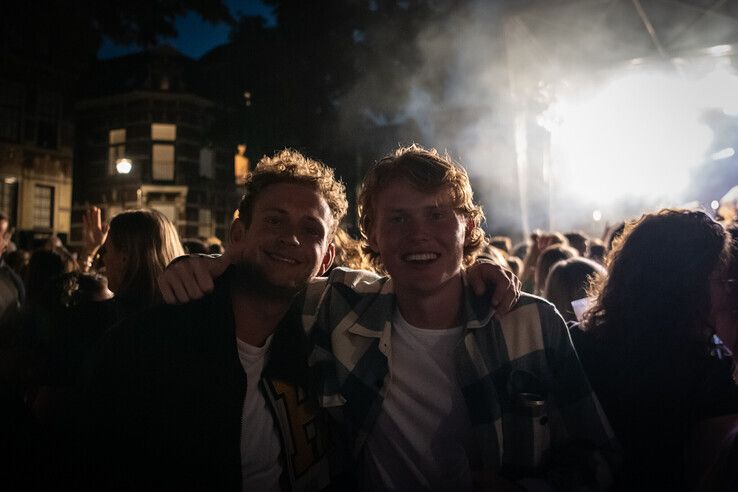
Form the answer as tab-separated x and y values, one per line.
163	131
167	209
162	154
43	207
162	162
207	163
116	148
204	222
9	197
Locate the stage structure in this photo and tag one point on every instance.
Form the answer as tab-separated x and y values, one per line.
604	90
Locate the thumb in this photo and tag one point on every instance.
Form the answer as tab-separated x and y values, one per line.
230	256
220	265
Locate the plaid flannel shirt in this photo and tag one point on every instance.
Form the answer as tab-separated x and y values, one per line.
531	407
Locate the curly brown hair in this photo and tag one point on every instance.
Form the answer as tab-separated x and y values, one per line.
290	166
428	171
657	288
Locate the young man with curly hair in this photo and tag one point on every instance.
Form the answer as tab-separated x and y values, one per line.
210	395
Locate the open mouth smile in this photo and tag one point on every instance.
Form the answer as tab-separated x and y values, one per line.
420	257
283	259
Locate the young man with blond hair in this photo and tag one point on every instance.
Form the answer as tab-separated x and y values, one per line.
436	392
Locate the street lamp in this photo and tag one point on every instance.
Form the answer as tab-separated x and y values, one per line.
123	166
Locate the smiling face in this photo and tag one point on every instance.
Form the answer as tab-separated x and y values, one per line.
419	236
288	241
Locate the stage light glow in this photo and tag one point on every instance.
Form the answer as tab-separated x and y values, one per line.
639	135
597	216
720	50
714	204
723	154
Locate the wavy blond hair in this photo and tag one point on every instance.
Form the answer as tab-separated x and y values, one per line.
428	171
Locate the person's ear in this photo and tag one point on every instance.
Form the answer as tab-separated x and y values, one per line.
328	258
237	231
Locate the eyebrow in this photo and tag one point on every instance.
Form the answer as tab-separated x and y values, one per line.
276	209
429	207
282	211
315	220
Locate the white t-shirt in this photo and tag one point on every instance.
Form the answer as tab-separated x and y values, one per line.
260	447
421	436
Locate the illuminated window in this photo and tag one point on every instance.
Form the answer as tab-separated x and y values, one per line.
43	206
116	148
167	209
162	162
9	196
163	131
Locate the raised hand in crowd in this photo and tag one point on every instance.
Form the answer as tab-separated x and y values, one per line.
95	232
539	241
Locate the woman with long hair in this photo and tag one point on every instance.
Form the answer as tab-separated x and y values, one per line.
139	246
646	342
136	247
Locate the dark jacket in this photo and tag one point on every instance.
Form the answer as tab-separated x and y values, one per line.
653	400
165	401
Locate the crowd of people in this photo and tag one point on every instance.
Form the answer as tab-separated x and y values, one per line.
408	358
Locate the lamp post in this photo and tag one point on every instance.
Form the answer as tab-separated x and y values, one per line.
123	166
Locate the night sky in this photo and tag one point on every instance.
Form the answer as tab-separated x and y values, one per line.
197	37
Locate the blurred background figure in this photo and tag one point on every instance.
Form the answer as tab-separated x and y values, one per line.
194	246
12	289
502	243
726	308
520	250
18	261
646	343
215	246
579	241
501	256
538	242
596	251
568	281
546	260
